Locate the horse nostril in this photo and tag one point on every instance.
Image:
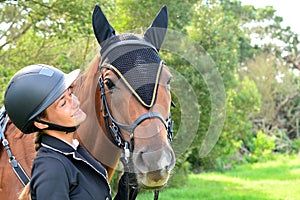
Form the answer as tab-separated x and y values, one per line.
173	161
140	162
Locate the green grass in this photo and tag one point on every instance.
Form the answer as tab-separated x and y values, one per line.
273	180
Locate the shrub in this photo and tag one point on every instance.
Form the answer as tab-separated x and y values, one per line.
262	148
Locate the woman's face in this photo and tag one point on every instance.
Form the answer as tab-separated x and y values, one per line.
65	111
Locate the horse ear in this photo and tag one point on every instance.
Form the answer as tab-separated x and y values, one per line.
155	34
102	29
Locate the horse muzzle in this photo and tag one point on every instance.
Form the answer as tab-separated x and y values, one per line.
153	167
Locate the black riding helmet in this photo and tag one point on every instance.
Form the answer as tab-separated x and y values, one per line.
33	89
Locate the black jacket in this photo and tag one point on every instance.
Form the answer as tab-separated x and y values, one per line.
60	172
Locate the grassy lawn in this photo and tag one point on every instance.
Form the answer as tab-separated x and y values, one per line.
273	180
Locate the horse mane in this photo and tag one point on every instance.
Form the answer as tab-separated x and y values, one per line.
85	88
90	132
87	77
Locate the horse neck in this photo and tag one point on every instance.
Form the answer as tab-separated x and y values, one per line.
22	148
21	145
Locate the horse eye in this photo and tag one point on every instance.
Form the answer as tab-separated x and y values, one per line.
109	84
169	83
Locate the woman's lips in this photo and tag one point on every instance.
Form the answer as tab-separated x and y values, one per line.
76	113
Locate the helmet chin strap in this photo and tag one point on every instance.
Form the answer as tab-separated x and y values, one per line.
56	127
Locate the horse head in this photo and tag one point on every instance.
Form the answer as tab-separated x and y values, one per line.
135	96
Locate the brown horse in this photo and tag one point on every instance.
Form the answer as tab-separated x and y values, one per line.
114	106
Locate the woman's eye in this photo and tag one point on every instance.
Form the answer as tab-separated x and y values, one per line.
109	84
63	104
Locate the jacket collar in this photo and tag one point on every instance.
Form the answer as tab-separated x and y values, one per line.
60	146
56	143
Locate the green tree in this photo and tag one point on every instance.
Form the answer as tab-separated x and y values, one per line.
279	115
136	14
223	29
60	33
57	33
219	34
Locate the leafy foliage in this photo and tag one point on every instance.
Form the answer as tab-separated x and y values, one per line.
53	32
260	79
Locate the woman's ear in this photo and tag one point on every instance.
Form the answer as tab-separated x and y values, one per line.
40	125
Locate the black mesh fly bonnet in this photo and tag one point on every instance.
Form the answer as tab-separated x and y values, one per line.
134	59
136	63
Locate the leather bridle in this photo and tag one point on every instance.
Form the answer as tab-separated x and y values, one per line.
16	166
113	128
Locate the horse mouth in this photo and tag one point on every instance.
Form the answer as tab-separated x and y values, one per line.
153	180
145	187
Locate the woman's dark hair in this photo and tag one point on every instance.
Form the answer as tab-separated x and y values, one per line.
25	193
38	138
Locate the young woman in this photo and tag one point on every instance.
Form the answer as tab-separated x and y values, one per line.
39	99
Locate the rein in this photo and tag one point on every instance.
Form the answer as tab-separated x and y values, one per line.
113	131
17	168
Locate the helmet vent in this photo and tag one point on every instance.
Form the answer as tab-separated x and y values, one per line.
46	71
